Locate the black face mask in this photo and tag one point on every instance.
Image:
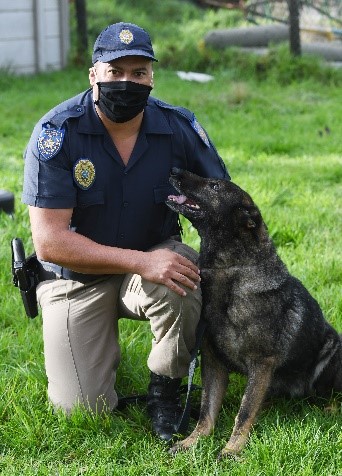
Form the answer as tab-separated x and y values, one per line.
120	101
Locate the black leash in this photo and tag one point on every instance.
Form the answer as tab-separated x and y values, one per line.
185	418
135	399
130	400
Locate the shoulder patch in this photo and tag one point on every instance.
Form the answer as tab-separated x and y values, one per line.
200	131
84	173
50	141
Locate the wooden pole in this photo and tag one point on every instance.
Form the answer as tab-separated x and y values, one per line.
295	46
82	31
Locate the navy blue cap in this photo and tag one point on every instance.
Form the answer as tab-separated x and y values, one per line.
122	39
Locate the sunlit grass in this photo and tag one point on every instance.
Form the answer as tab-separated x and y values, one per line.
269	137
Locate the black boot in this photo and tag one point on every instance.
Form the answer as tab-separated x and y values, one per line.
163	405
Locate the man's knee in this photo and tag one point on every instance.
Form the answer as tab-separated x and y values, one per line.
180	248
93	399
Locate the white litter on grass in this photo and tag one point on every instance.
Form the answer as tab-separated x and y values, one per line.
192	76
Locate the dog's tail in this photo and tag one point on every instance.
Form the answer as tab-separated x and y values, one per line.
328	372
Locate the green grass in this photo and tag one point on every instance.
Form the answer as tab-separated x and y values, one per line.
272	137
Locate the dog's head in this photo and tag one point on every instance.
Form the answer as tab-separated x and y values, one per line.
216	203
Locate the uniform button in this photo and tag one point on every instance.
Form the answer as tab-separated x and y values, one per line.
122	236
125	204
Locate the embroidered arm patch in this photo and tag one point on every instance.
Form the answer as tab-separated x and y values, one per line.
50	141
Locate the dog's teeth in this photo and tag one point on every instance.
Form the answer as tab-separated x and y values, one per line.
180	199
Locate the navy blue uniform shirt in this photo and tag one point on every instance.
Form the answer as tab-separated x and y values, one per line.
71	162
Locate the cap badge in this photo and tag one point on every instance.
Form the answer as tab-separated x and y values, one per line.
126	36
84	173
200	131
50	141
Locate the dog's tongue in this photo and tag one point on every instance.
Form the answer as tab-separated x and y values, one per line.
180	199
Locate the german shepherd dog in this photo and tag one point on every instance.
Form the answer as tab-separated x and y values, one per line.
261	321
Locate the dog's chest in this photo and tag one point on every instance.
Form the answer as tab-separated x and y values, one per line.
235	328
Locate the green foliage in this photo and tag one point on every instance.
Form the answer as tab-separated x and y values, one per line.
178	29
280	65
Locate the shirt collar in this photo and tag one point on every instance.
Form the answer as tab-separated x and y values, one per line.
155	121
90	122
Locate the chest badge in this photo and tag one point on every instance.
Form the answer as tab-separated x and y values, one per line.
50	141
84	173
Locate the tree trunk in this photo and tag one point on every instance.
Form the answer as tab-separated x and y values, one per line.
82	31
295	46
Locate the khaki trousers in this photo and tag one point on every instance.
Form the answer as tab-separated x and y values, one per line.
80	331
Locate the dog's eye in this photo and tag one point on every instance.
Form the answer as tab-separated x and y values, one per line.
215	186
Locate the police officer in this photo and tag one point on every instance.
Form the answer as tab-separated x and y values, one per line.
97	172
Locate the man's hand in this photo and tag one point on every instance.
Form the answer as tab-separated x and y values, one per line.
171	269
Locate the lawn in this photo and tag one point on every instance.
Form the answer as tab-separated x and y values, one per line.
280	142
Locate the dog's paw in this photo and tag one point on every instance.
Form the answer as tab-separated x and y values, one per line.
333	408
182	445
176	448
224	454
234	447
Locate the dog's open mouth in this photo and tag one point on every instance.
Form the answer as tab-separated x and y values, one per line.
183	200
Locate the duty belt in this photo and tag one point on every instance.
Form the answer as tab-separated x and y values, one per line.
49	271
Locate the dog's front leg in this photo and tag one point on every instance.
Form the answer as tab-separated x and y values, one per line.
258	382
214	384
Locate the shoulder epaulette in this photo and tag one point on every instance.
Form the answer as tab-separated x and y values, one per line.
181	110
190	116
58	119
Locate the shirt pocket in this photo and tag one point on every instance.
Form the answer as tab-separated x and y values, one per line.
86	198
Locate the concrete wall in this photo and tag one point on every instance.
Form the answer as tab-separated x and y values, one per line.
34	35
